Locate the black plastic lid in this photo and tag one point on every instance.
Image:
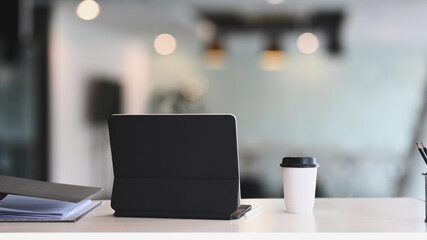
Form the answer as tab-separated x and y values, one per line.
299	162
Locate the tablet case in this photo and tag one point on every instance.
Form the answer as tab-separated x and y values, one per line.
176	166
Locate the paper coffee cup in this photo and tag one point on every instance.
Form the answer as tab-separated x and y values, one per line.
299	183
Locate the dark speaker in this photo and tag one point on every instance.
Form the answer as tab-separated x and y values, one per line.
104	99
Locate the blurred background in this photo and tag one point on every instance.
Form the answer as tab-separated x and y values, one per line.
343	81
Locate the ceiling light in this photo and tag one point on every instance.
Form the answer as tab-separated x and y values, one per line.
88	10
272	58
205	30
307	43
215	55
165	44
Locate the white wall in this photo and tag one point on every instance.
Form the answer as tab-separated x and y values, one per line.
80	51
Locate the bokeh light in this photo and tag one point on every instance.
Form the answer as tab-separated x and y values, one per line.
165	44
205	30
307	43
194	88
88	10
272	60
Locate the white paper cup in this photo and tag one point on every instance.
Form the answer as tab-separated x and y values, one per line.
299	183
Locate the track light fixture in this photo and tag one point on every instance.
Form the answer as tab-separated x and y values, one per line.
215	54
273	57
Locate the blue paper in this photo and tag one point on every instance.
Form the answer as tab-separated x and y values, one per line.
15	207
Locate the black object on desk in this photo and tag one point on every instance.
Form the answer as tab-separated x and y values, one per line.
176	166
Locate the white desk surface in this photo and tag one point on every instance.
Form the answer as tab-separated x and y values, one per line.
330	215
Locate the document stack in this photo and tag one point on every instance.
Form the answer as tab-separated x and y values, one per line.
31	200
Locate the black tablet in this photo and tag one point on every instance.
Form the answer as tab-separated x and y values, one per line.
178	166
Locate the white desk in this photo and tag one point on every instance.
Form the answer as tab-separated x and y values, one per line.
330	215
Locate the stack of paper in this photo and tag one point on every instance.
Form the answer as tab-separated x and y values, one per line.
22	208
31	200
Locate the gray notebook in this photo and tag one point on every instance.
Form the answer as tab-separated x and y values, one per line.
41	189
